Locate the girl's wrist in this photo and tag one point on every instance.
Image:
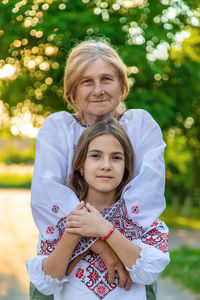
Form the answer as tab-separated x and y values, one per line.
75	236
107	231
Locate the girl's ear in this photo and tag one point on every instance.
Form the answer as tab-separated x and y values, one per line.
81	171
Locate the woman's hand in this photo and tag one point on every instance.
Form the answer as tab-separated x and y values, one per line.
110	259
87	221
113	264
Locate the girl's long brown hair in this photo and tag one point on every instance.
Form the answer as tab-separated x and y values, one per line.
111	127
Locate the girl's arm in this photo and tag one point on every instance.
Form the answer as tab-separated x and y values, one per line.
47	272
91	223
144	257
56	263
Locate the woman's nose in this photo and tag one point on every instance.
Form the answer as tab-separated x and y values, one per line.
98	89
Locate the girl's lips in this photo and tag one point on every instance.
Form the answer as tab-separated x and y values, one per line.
105	177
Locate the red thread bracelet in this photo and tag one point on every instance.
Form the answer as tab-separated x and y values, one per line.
108	234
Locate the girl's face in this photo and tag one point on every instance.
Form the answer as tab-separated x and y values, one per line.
103	169
99	91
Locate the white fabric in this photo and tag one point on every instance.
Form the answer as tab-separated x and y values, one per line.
148	266
55	144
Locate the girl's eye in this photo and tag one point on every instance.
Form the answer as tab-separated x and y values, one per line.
95	155
116	157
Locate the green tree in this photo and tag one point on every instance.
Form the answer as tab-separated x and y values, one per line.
158	41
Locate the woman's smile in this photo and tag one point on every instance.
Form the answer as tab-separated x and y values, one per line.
99	91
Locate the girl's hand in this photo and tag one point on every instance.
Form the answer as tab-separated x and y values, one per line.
80	206
87	222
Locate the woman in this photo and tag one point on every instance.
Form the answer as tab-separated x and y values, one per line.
101	167
95	84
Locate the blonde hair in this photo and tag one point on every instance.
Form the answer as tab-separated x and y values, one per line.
79	58
111	127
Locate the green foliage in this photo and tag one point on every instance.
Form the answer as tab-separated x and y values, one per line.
176	220
15	181
15	156
184	268
17	151
165	79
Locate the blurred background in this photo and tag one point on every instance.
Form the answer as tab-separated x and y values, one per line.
159	41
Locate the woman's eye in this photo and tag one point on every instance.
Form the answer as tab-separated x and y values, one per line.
86	81
106	78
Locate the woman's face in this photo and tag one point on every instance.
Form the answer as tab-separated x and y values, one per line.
99	91
104	165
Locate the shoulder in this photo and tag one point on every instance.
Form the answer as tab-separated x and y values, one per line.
137	113
56	122
139	118
60	115
57	119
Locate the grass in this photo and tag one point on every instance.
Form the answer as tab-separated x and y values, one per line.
15	181
184	268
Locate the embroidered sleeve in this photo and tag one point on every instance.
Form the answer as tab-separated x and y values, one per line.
145	192
154	254
43	282
51	199
47	246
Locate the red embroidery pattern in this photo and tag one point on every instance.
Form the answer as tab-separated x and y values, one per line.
96	276
135	209
79	273
157	239
46	247
50	230
55	209
154	224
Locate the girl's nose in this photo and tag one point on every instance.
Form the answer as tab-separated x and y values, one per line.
106	164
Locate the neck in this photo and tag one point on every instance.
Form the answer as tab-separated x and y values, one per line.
89	119
100	200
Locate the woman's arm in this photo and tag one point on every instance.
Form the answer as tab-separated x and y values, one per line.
110	259
145	192
49	194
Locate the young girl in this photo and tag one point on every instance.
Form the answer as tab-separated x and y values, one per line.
102	166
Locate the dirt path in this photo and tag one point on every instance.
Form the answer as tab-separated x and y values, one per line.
18	236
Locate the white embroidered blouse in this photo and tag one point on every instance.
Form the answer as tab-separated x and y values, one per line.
88	280
52	200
